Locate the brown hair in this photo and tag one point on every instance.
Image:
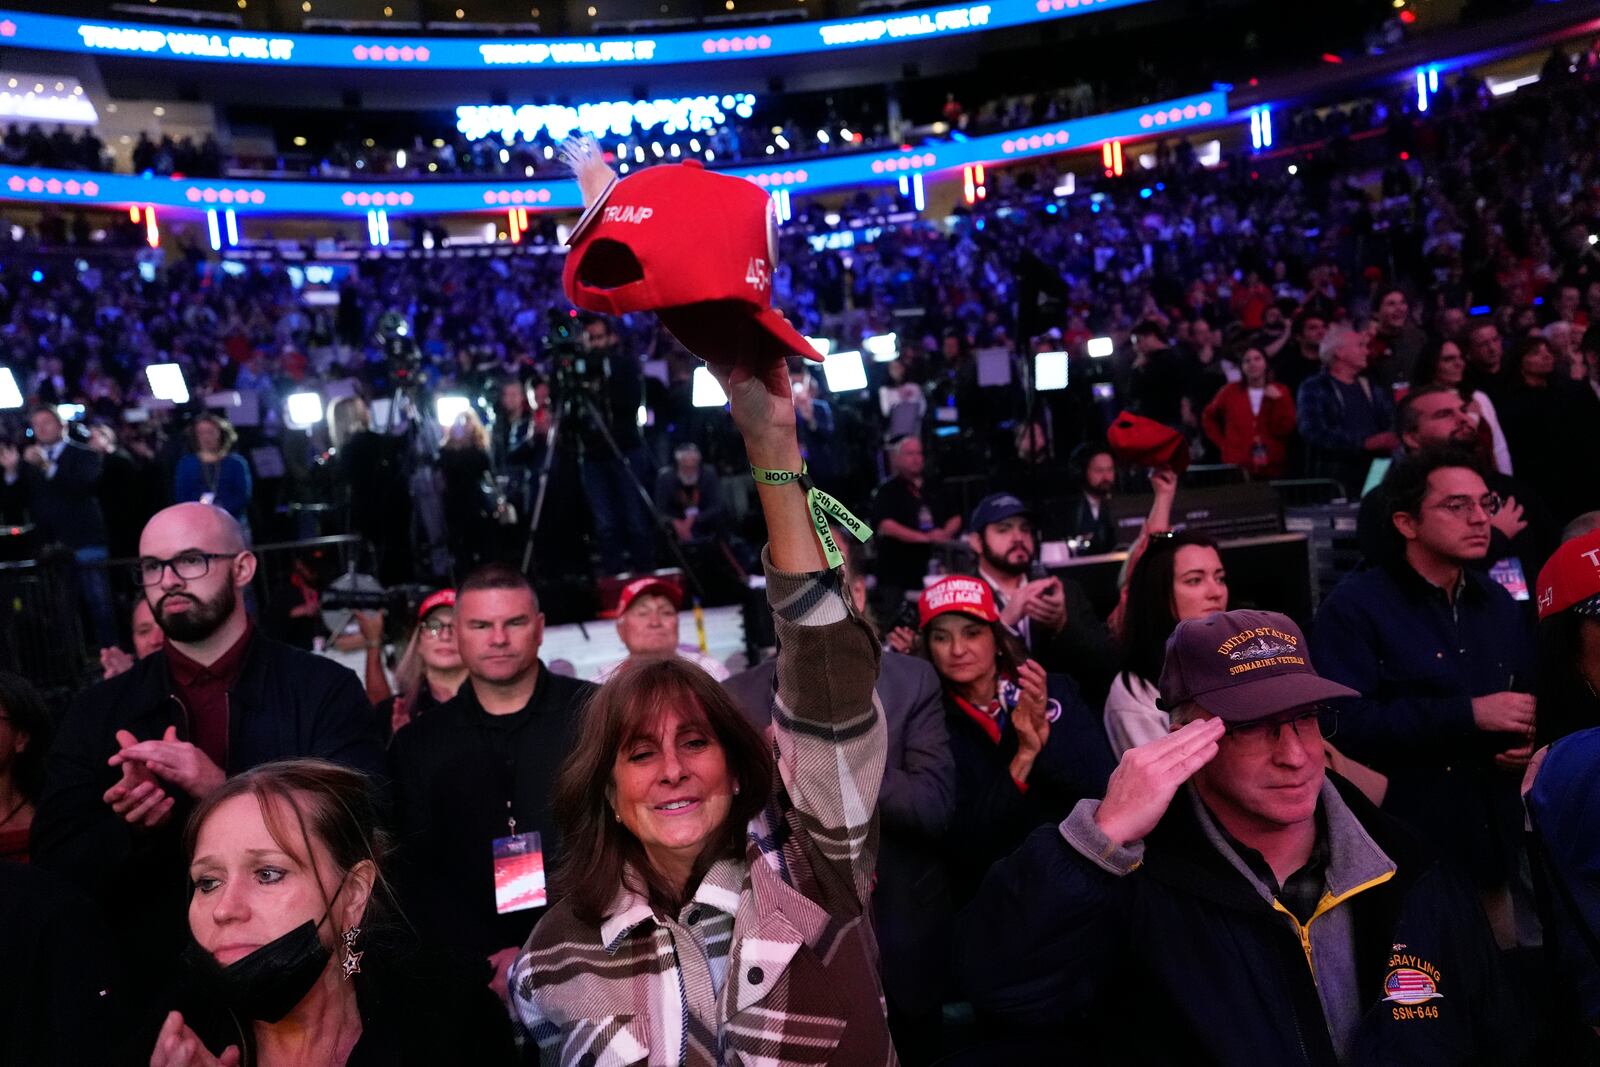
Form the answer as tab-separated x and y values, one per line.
332	804
1009	651
596	848
228	436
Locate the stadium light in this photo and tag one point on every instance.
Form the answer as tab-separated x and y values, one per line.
447	409
884	347
10	395
707	391
823	345
304	410
845	372
1050	371
166	382
70	412
1101	347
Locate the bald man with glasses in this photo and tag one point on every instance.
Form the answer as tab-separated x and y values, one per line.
135	752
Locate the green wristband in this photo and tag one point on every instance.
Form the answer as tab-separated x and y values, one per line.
823	507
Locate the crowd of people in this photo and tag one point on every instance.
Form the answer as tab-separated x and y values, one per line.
966	809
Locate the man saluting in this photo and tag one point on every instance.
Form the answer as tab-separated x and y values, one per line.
1231	902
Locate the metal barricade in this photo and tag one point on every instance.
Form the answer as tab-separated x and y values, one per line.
44	637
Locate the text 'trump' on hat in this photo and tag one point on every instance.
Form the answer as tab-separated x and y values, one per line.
1571	578
1242	666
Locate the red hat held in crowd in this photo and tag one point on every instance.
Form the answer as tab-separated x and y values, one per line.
1571	579
695	247
968	596
1147	443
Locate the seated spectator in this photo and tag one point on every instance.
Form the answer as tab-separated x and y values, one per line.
707	847
689	494
1446	366
1053	618
147	638
134	753
1443	661
647	623
26	731
1178	577
214	473
1026	746
311	964
1093	471
1344	417
911	908
1223	852
1252	420
430	671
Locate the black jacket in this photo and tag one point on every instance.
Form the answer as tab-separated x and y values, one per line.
66	507
286	703
453	771
992	815
1182	961
418	1009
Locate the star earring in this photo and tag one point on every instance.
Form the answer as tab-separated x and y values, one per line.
352	959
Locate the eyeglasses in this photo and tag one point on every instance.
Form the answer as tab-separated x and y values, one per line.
437	628
1460	507
186	565
1315	724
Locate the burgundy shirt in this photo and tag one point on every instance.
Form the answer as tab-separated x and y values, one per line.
204	692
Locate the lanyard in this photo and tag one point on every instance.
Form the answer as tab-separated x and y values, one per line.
822	508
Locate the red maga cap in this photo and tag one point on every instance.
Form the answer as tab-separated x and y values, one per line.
968	596
697	248
444	598
648	586
1148	443
1571	579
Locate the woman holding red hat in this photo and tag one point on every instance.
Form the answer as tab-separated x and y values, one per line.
1026	746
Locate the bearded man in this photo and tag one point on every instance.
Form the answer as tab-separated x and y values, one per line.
135	752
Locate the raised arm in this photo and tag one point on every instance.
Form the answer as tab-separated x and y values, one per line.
829	732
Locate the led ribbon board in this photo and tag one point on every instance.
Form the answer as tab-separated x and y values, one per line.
439	197
20	29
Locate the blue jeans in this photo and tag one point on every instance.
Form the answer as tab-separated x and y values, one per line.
621	521
94	594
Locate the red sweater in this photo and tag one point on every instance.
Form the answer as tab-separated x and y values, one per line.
1231	426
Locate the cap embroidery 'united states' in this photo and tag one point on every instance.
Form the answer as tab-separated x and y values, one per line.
697	248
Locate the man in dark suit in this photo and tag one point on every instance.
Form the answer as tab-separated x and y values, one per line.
57	480
911	903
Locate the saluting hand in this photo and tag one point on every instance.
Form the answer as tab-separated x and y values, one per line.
1144	783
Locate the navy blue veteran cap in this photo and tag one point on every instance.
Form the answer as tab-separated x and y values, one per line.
1243	666
995	507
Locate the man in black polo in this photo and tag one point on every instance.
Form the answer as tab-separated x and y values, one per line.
474	777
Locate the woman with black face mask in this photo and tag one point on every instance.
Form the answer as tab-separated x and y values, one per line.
295	956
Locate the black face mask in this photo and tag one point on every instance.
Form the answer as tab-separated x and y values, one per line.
269	982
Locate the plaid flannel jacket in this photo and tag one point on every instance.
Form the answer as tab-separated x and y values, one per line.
774	961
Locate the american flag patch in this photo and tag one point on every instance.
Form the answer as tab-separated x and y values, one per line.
1407	985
